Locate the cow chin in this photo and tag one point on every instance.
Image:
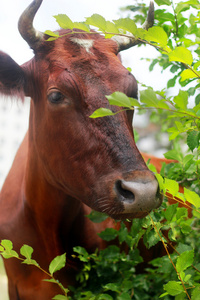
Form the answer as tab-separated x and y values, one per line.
129	216
118	211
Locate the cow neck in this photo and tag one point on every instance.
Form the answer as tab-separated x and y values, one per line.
50	208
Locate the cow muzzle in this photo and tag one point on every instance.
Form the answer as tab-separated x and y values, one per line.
137	197
127	195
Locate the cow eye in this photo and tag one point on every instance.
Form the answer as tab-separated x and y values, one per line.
55	97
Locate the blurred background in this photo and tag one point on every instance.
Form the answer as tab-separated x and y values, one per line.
14	114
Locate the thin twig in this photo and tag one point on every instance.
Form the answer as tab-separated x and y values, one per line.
176	20
172	246
168	254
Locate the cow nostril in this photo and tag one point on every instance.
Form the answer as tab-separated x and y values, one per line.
124	192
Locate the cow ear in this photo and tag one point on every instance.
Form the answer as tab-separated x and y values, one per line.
12	77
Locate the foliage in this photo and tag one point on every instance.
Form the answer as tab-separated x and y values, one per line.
113	274
6	250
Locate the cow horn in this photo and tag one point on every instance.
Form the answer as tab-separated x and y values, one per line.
25	25
128	42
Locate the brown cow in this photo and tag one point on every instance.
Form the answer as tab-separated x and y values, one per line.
68	163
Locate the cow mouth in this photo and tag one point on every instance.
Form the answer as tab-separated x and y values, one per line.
129	216
117	212
127	213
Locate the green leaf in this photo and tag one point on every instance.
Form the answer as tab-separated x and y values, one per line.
111	253
186	229
193	139
180	126
173	154
181	99
7	244
188	74
108	234
174	134
52	280
187	277
197	99
196	65
57	263
160	181
163	295
127	25
187	158
64	21
196	293
119	99
183	247
134	102
163	2
123	232
124	296
181	7
192	197
156	34
7	251
196	214
151	238
105	297
148	97
26	251
32	262
83	254
170	212
51	39
97	21
9	254
162	104
185	260
173	288
181	54
81	250
136	226
97	217
110	27
112	287
60	297
81	26
171	185
102	112
171	82
52	33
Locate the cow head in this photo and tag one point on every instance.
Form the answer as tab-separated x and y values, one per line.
93	160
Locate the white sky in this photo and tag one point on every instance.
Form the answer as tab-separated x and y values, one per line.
77	10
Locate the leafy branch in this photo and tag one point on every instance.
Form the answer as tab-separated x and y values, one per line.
126	27
6	250
171	284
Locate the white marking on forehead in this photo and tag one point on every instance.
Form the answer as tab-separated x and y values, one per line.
87	44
